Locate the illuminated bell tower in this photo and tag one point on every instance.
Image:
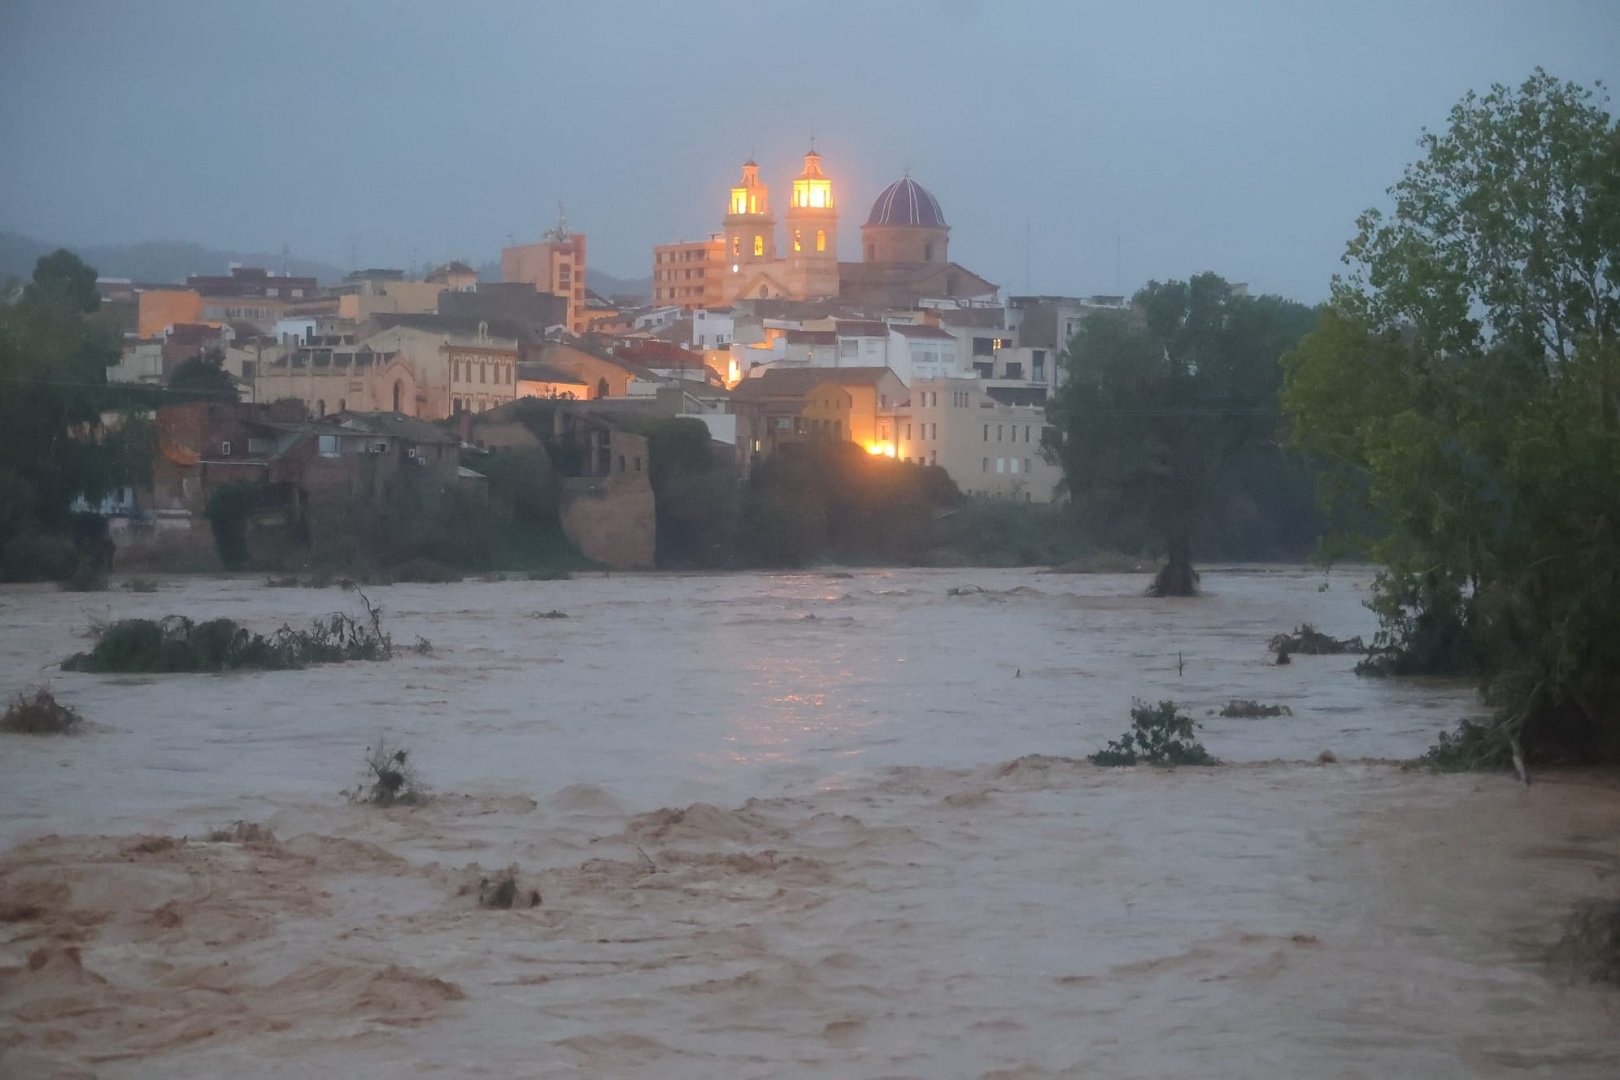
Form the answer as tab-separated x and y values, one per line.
812	234
750	231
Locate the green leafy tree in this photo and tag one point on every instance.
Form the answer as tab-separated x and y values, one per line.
1466	385
205	376
54	443
1159	399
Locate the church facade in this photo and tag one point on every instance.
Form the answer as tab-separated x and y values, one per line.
904	247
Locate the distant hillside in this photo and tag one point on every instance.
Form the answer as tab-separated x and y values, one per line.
157	262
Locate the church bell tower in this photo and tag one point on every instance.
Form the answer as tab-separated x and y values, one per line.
812	234
750	230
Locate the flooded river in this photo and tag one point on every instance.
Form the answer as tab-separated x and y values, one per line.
782	825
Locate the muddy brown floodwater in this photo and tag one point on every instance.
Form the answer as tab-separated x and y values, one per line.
782	825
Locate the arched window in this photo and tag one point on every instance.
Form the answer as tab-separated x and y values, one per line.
764	292
821	239
798	240
736	245
759	245
320	407
399	395
455	406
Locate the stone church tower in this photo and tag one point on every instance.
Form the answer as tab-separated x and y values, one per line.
812	234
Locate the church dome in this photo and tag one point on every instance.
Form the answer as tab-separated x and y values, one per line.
906	202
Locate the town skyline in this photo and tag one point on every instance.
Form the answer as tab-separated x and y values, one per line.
1075	148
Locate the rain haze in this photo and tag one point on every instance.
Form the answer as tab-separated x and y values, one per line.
1075	147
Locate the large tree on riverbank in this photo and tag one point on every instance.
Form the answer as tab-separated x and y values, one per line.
1466	383
1159	400
54	352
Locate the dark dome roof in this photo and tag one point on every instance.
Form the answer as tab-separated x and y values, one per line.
906	202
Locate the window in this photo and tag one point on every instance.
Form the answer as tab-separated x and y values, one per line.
986	464
1037	364
928	253
329	446
933	457
1001	465
908	433
1015	370
482	372
759	245
736	245
1026	464
638	464
455	406
933	431
821	239
798	239
998	433
1012	465
871	253
225	448
987	433
1026	433
343	405
320	407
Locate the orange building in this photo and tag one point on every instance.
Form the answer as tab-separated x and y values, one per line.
688	274
555	265
159	309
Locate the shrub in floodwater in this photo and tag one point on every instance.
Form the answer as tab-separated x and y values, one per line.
1474	745
141	585
423	646
176	643
39	713
1309	640
1244	708
1591	942
242	832
390	778
1160	735
501	891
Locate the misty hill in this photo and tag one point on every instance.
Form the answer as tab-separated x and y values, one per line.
156	261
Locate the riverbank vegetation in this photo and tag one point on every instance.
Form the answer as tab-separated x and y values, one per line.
1464	384
1159	735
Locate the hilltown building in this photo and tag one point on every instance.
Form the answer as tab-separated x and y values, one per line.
904	248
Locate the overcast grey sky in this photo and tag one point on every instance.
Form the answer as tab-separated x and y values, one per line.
1236	137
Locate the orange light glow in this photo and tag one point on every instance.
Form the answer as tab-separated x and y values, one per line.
880	449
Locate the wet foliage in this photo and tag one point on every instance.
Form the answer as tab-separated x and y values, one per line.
1590	945
503	893
1244	708
390	778
178	644
37	712
1310	641
1159	735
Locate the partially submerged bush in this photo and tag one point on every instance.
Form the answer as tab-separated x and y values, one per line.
176	643
1475	745
39	713
390	778
501	891
242	832
141	585
1591	942
1312	642
1244	708
1160	735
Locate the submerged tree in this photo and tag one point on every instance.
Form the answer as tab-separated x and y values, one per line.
1466	384
1158	400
